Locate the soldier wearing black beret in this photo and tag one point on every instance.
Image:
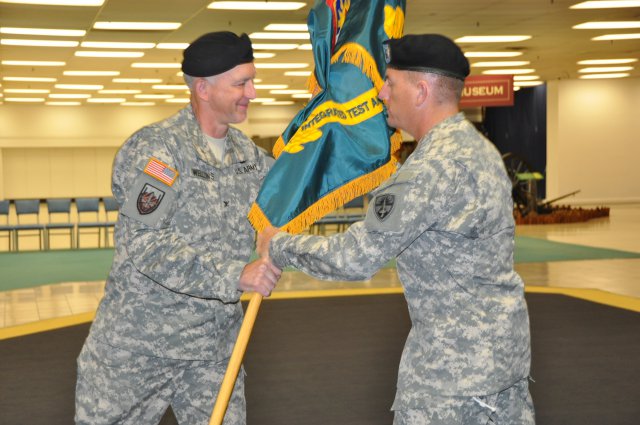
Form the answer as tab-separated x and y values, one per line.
446	216
171	311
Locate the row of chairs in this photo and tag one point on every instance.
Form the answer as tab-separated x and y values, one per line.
28	221
343	217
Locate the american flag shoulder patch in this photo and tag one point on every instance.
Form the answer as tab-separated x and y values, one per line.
161	171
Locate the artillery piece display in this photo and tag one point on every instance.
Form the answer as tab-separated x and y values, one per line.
524	183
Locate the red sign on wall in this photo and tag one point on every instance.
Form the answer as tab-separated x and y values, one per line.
487	90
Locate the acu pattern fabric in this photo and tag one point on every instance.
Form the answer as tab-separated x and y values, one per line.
447	216
172	290
181	244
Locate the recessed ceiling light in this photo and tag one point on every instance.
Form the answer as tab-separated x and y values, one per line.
153	96
263	55
267	46
280	35
605	69
31	79
91	73
605	4
155	65
256	5
286	27
42	31
525	77
138	103
302	96
63	103
263	99
33	63
137	26
606	61
633	36
69	96
57	2
607	25
27	91
103	54
106	100
278	102
137	80
492	54
270	86
178	100
288	91
527	83
79	86
281	65
508	71
38	43
500	63
170	87
601	76
307	46
120	91
297	73
24	99
116	45
492	38
172	46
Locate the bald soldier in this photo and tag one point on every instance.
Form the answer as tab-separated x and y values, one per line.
447	217
170	314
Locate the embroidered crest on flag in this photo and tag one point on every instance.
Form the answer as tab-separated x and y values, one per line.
161	171
149	199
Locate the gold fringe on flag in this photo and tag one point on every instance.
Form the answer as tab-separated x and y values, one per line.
327	203
357	55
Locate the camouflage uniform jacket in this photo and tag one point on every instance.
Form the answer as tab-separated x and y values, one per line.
446	215
180	246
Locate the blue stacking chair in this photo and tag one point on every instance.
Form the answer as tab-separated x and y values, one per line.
111	211
343	217
26	208
88	207
59	208
6	230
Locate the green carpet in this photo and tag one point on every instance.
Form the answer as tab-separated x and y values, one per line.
28	269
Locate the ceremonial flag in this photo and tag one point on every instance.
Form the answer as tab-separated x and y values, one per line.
339	145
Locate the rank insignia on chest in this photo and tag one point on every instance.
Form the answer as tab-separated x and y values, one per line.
384	205
161	171
149	199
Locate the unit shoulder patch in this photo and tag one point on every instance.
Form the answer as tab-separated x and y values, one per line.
383	205
149	199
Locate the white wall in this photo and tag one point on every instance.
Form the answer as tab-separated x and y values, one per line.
593	140
62	151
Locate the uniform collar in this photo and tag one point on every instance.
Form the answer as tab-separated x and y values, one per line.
432	134
233	151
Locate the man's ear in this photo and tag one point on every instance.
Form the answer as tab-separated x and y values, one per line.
201	88
421	92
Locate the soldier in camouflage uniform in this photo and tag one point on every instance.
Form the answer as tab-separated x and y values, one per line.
446	215
170	315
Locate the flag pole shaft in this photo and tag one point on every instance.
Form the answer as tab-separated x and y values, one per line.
230	376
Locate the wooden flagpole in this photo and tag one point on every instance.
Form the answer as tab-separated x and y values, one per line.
230	376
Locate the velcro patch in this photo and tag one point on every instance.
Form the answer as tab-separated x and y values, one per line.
149	202
149	199
161	171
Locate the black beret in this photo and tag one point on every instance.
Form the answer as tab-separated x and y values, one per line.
432	53
215	53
